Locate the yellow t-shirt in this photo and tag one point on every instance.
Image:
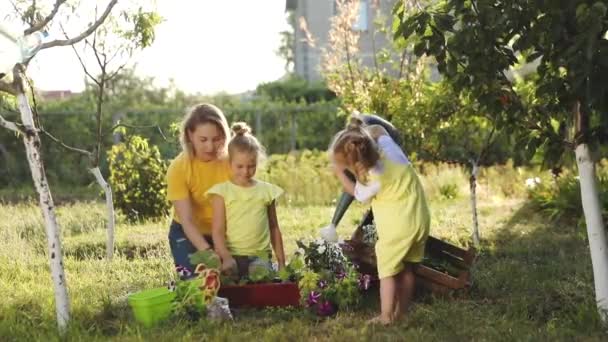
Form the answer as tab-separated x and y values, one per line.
190	178
247	230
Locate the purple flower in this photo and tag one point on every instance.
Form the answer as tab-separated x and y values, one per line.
325	308
340	274
322	284
183	271
313	298
364	282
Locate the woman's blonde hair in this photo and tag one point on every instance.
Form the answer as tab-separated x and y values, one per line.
243	141
201	114
357	147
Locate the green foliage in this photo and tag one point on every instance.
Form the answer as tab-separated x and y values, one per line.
207	257
565	38
448	191
189	301
305	176
137	175
560	199
259	272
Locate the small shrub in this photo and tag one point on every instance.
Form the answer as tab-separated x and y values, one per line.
137	175
562	199
448	191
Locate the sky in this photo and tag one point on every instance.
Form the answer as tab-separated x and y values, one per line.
205	46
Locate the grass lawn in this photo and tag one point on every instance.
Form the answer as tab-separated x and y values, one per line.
533	281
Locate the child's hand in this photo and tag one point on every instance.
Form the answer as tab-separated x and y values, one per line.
229	265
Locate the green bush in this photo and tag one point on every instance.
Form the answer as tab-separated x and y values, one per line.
561	199
448	191
137	175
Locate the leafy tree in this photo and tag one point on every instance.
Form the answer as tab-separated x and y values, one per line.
477	44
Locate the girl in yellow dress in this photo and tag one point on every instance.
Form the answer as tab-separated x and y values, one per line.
386	177
245	221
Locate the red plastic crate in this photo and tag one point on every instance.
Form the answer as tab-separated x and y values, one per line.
261	295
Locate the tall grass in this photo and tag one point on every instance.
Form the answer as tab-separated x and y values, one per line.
532	280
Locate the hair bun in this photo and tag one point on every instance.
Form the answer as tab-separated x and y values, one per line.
240	128
354	123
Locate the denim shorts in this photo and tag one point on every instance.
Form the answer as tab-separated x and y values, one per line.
181	247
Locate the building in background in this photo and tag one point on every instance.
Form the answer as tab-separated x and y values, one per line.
317	14
48	95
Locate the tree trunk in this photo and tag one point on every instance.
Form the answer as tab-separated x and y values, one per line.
595	227
473	185
110	208
294	130
31	140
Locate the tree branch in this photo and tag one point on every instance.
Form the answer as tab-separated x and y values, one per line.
21	15
38	26
9	125
84	34
113	128
86	71
8	87
67	147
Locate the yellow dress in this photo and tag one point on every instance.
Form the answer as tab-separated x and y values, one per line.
402	217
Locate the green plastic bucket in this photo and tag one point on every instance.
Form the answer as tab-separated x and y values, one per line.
151	306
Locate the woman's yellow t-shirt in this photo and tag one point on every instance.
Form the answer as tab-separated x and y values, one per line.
189	178
247	229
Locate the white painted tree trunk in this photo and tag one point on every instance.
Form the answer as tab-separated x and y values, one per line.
31	140
595	227
110	211
473	185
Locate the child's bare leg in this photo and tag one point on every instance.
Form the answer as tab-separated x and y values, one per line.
406	284
388	291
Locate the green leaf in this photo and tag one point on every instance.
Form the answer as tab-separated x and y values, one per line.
207	257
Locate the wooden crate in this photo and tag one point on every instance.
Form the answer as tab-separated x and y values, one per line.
428	277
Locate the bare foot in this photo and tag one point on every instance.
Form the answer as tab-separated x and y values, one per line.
380	320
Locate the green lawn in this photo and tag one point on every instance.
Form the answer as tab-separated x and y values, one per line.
532	281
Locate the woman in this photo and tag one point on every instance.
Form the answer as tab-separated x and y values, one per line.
201	164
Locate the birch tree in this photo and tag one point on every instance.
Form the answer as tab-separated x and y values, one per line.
37	19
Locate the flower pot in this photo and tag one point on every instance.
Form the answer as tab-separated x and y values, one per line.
261	295
151	306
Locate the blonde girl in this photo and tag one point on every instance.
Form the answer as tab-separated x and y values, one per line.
245	224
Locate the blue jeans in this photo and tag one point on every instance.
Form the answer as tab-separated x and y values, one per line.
181	247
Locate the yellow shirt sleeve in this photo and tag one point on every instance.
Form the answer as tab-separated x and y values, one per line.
177	187
272	193
218	189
